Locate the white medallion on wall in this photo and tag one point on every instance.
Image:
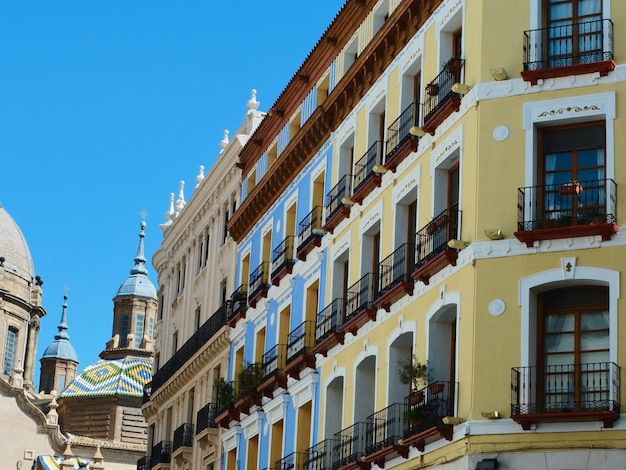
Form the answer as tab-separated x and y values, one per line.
497	307
501	133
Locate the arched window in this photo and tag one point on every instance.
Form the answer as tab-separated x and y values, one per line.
9	351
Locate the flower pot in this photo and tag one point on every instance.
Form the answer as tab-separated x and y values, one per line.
415	398
453	66
432	89
568	189
436	388
431	228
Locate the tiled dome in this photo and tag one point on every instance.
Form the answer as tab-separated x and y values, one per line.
13	248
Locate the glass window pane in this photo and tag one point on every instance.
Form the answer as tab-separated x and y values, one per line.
557	323
560	343
594	321
559	359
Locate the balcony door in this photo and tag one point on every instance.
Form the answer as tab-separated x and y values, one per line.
574	31
573	349
573	154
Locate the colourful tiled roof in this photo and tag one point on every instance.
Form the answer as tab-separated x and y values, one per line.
125	376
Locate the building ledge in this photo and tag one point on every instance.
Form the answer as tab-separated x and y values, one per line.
605	230
426	270
603	68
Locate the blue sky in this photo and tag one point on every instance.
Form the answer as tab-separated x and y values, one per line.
105	106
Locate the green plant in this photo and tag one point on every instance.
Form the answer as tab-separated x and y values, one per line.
250	378
225	395
413	372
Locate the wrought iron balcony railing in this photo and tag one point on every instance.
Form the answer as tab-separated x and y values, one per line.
259	282
301	340
350	445
143	463
334	198
360	296
238	303
205	417
396	268
439	92
161	453
320	456
398	132
191	347
427	407
385	428
587	391
568	44
147	392
364	168
433	238
183	436
293	461
283	256
329	320
274	361
310	227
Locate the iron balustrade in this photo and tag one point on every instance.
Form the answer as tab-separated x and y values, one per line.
205	418
568	44
183	436
329	320
301	340
350	445
385	427
143	463
225	398
361	295
204	334
283	254
274	361
293	461
565	388
161	453
396	268
238	302
433	238
567	204
398	132
147	392
364	168
259	279
309	225
320	456
439	91
426	407
343	189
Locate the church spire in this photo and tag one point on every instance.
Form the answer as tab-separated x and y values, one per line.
62	333
140	259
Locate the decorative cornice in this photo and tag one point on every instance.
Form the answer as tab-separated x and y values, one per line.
369	66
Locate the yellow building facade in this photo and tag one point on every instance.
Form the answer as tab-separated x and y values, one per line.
472	224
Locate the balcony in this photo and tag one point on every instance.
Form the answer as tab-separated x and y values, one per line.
237	306
399	142
183	442
570	49
143	463
566	393
310	233
161	453
197	341
225	411
360	306
574	209
248	382
328	331
283	259
395	279
259	283
424	413
205	418
385	431
338	203
365	178
320	456
147	392
440	101
273	375
432	252
350	447
294	461
300	346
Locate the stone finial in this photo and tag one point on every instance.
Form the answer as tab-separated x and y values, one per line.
200	176
169	215
180	202
224	141
253	104
52	417
67	464
98	460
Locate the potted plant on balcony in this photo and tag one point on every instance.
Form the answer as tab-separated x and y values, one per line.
573	187
249	379
413	372
224	392
452	66
432	89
